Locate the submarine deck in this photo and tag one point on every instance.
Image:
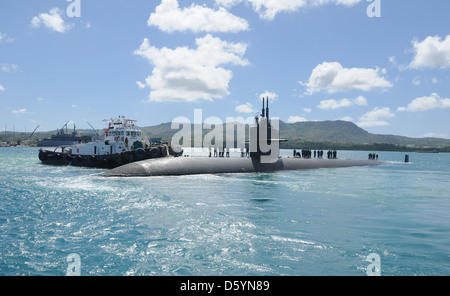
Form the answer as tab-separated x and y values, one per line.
177	166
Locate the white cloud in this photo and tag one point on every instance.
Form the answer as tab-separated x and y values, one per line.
416	81
189	75
169	17
294	119
360	101
393	60
377	113
433	101
4	37
228	3
140	84
268	9
267	94
376	117
432	52
20	111
333	104
52	21
340	2
347	118
7	68
245	108
332	77
2	88
372	123
307	110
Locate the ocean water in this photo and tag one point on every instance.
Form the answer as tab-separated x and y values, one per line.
315	222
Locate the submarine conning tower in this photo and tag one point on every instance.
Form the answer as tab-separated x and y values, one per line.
261	132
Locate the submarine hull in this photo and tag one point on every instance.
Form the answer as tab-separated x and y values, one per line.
171	166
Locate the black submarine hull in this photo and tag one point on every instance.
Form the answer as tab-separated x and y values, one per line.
171	166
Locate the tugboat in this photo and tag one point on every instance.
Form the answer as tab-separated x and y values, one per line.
122	143
63	138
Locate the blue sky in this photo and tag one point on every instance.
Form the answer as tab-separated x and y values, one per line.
157	60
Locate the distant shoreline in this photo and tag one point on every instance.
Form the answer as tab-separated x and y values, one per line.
329	146
363	147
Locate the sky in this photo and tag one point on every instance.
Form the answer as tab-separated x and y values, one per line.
382	64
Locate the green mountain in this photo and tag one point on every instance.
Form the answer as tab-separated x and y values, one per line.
325	131
349	133
328	135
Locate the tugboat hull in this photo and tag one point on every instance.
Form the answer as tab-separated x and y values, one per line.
108	161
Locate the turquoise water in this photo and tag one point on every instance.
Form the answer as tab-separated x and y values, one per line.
316	222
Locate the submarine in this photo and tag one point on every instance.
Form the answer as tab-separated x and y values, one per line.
261	159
